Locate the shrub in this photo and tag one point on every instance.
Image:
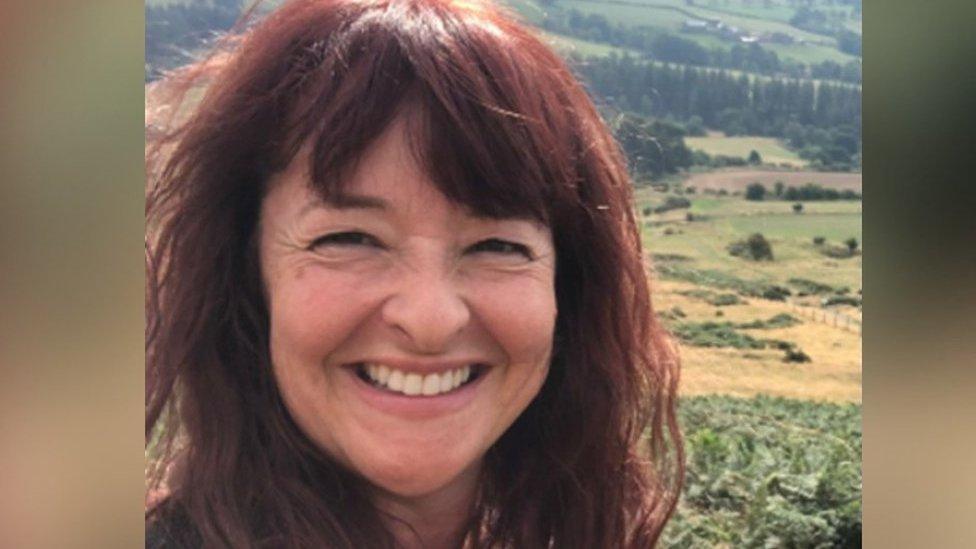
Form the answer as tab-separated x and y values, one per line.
754	481
647	211
778	189
672	314
851	244
715	334
775	293
673	203
660	258
712	298
796	354
782	320
721	161
812	191
819	240
836	252
841	300
807	287
724	281
691	190
755	191
689	216
756	247
797	208
754	157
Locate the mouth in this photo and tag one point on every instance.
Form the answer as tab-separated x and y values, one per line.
414	384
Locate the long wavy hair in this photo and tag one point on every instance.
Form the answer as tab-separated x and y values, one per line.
596	459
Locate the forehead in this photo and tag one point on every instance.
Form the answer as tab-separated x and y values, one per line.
387	176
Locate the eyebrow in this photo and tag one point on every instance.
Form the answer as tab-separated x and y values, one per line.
346	201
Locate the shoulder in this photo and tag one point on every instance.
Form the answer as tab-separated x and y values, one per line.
171	529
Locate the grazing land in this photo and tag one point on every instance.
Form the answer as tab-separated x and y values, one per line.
689	257
770	149
670	15
734	179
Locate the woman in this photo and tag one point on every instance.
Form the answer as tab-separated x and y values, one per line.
396	294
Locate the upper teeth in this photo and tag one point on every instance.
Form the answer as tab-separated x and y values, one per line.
412	384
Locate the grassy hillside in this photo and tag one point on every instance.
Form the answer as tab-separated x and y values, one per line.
770	149
736	179
668	16
706	295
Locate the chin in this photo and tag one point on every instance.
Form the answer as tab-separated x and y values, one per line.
418	474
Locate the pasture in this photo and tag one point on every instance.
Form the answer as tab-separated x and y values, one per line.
737	179
669	16
691	257
770	149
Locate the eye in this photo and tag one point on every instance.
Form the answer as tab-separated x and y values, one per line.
498	246
347	238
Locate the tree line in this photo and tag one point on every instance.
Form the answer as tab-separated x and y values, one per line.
821	122
668	47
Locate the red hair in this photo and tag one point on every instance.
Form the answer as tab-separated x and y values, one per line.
502	127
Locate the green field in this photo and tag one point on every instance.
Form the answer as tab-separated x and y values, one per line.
669	15
566	45
788	226
731	218
770	149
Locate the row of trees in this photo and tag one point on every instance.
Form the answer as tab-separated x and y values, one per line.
808	192
653	148
663	46
821	122
828	22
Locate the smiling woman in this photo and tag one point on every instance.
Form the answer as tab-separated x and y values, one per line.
396	296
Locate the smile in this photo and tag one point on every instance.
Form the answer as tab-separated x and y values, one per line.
416	384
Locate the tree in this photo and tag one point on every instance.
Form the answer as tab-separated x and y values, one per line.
778	188
754	157
851	244
756	247
755	191
759	247
797	208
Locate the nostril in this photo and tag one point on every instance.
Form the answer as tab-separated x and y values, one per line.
429	316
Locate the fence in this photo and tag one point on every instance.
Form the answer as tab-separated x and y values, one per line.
824	316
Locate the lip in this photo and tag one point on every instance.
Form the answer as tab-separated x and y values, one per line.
418	407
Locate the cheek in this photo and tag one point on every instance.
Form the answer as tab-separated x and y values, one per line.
311	313
521	317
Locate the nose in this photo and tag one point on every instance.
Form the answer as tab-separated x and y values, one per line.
427	310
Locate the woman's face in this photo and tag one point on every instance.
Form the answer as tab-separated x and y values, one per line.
406	333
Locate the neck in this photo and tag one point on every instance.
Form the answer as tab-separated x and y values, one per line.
436	520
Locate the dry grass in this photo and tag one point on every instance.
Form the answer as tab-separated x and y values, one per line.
739	179
834	374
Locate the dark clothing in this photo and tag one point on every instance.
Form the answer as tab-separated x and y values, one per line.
171	530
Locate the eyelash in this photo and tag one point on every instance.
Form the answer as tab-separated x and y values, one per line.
356	238
348	238
496	245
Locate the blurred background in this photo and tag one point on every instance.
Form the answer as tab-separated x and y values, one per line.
742	123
